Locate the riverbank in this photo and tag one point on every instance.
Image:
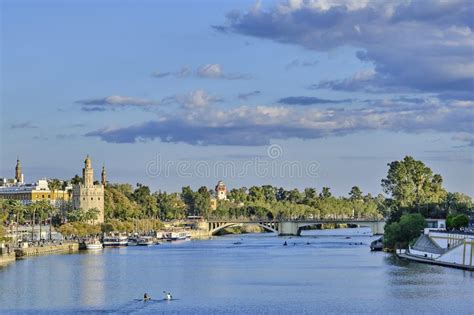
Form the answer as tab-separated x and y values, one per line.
434	262
68	247
6	258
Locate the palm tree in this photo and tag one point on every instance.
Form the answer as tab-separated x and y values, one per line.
31	211
43	209
18	209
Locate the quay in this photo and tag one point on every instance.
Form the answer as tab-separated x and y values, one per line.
6	258
68	247
432	261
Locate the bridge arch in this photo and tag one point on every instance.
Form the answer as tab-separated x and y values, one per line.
218	226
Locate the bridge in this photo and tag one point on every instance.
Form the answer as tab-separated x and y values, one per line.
292	227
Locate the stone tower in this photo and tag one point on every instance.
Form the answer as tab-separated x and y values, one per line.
86	195
88	173
18	173
103	176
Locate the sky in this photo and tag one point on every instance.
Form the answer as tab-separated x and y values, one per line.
289	93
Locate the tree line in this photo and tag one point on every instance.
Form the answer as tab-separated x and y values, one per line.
411	188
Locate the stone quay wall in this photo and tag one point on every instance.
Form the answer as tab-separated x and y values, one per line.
47	249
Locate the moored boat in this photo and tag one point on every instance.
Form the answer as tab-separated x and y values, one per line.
116	240
377	245
177	236
93	245
132	241
145	241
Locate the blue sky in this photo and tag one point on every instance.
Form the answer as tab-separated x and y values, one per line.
348	86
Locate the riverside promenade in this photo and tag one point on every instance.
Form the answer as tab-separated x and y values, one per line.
10	255
67	247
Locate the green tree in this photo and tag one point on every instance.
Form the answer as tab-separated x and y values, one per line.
325	193
457	203
256	193
202	201
355	193
457	222
146	201
411	183
187	194
403	232
76	180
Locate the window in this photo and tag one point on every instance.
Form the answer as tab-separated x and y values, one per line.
83	198
98	198
92	198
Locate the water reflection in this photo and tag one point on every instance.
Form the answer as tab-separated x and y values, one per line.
92	279
244	274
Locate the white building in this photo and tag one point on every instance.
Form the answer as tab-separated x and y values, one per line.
441	247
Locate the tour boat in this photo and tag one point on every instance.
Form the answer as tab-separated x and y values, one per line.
94	245
132	241
176	236
115	240
145	241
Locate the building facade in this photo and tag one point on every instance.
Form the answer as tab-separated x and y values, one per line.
88	195
221	191
16	189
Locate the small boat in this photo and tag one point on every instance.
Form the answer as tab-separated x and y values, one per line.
115	240
177	236
93	245
145	241
377	245
132	241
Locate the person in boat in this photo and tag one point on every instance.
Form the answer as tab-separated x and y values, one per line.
285	244
146	297
168	295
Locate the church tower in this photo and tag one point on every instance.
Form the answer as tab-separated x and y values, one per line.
18	174
103	176
88	173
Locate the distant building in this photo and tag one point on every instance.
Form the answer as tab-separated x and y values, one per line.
18	174
221	191
17	180
88	195
213	203
103	176
16	189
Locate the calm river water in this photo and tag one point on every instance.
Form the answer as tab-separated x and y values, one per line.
328	275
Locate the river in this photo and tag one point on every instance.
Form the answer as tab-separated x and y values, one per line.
320	272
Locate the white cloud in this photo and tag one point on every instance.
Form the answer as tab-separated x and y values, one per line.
117	101
196	99
245	125
412	45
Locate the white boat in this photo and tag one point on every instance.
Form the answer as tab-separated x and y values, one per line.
176	236
115	240
94	245
145	241
132	241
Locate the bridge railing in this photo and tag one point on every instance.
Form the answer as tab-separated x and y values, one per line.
321	220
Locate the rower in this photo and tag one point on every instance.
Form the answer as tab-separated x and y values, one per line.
146	297
168	295
284	244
